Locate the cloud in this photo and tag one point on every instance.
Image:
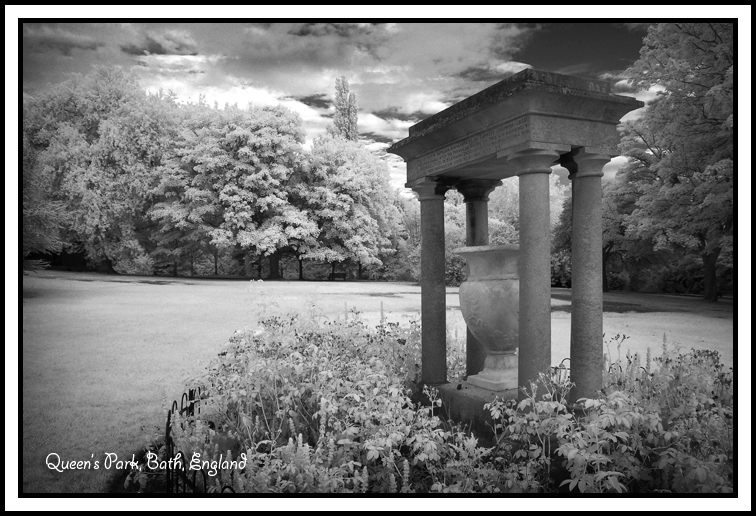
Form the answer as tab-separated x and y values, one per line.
624	88
317	100
400	73
491	74
384	130
577	69
172	42
611	168
39	38
393	112
637	27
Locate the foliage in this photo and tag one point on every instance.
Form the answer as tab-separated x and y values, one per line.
150	185
685	140
561	269
98	140
42	217
229	182
346	191
345	119
666	431
330	406
324	408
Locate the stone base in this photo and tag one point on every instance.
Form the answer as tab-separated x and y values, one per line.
498	374
502	381
463	403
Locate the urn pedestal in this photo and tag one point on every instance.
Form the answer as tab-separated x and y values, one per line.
490	304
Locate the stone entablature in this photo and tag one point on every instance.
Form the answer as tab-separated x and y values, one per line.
531	109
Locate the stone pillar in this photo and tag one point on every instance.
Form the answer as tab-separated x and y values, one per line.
586	345
476	192
432	281
533	168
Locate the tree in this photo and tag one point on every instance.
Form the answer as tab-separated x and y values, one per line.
345	120
42	218
685	137
229	184
99	140
347	192
504	202
186	207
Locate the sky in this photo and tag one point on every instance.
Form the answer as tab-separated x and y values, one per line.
401	72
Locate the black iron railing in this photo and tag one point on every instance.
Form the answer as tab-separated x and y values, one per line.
177	478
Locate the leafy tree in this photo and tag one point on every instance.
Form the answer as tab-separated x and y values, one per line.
42	217
100	139
187	207
345	120
621	249
348	195
685	138
228	185
504	202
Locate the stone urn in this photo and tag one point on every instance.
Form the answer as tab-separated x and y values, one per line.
490	304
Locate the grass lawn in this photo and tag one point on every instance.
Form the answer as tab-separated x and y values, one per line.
104	355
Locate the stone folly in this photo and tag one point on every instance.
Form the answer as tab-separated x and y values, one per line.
519	127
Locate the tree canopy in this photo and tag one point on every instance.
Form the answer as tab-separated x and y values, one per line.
685	140
141	182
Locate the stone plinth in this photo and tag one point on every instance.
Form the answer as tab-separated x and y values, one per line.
463	403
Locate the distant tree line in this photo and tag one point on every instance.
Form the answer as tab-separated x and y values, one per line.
143	184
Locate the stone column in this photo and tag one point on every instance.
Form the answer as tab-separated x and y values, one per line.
432	280
476	192
533	168
586	345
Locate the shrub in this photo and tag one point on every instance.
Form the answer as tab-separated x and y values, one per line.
322	406
561	272
666	431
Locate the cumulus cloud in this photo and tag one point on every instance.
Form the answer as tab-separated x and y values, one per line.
381	129
623	87
170	42
400	73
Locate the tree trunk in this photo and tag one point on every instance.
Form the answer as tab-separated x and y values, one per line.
604	278
275	271
710	274
191	265
359	270
215	256
333	269
259	267
106	266
175	268
301	273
